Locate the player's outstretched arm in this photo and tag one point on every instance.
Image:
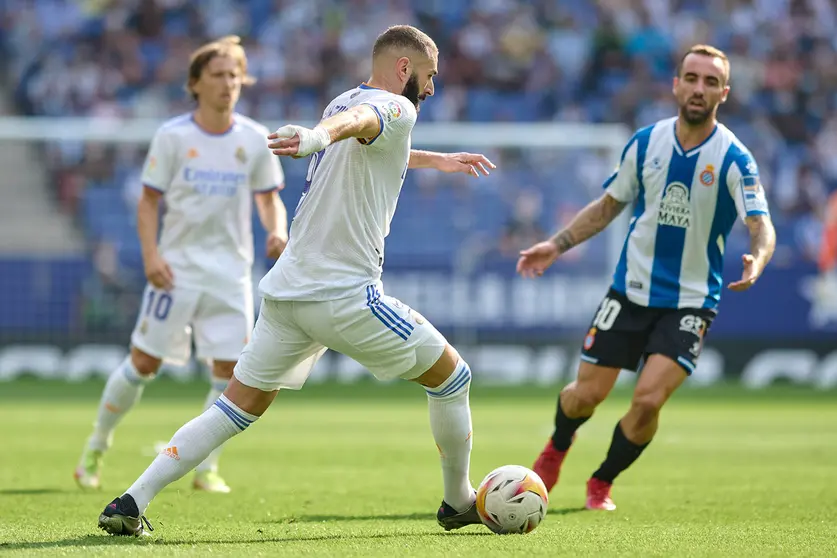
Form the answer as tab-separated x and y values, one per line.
587	223
468	163
762	245
298	141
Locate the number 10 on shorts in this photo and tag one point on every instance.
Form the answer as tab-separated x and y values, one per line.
159	304
607	314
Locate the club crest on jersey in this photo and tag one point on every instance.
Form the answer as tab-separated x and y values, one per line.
241	155
192	153
675	209
707	176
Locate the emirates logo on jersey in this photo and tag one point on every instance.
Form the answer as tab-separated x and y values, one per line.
675	208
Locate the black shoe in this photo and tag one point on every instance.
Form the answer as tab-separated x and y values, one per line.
451	519
122	517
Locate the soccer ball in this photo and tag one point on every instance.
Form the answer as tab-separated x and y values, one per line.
512	499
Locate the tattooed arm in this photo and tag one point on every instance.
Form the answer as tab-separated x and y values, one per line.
762	245
589	222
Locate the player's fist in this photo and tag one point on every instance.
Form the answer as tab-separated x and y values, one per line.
275	246
535	260
298	141
158	273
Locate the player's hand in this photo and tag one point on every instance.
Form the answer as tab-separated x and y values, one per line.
298	141
159	274
535	260
275	246
468	163
751	272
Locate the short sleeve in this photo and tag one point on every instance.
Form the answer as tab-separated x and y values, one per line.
623	185
158	171
745	185
396	118
267	173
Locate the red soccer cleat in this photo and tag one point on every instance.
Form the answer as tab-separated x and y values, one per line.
598	495
548	464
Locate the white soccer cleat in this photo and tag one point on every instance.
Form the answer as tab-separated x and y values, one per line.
210	481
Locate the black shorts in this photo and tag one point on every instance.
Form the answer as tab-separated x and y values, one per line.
623	333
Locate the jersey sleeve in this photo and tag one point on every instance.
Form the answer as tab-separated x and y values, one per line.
745	186
623	185
158	171
396	118
267	173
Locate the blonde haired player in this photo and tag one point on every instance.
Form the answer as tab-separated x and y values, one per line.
206	165
325	290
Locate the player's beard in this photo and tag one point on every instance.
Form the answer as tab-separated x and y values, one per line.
695	116
411	90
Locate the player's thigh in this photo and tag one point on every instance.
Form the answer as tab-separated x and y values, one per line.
279	354
659	378
222	325
679	335
380	332
163	327
618	334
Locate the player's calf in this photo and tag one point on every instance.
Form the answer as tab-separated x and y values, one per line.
450	422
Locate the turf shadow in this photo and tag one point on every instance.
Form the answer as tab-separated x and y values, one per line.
108	540
30	491
318	518
566	511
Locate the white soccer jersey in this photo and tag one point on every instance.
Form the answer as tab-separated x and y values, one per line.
686	205
336	245
208	181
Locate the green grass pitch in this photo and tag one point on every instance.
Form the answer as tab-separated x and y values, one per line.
352	471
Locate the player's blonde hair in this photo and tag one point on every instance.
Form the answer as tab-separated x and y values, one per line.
404	37
707	50
225	46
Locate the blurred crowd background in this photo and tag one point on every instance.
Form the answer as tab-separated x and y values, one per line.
501	60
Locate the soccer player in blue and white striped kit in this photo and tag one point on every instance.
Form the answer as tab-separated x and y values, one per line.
688	178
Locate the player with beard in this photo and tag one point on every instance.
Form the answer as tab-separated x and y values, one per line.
326	291
688	178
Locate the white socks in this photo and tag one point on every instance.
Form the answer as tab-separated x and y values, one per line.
216	388
123	389
189	446
450	422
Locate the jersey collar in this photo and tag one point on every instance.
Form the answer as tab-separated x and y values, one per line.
693	150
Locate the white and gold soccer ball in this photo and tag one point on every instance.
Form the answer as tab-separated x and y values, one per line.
512	499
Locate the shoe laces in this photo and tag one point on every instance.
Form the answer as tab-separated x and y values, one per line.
147	523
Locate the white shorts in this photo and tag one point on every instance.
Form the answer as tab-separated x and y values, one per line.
167	320
381	333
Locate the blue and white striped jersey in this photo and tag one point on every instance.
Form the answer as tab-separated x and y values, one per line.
686	204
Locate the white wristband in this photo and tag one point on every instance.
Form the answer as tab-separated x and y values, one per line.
311	141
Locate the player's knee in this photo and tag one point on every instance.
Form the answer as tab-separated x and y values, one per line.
647	404
457	383
585	395
223	369
145	364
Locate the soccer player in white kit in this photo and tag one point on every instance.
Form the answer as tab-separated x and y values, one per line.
689	179
207	165
325	291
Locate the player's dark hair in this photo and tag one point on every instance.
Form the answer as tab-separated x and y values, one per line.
225	46
404	37
706	50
